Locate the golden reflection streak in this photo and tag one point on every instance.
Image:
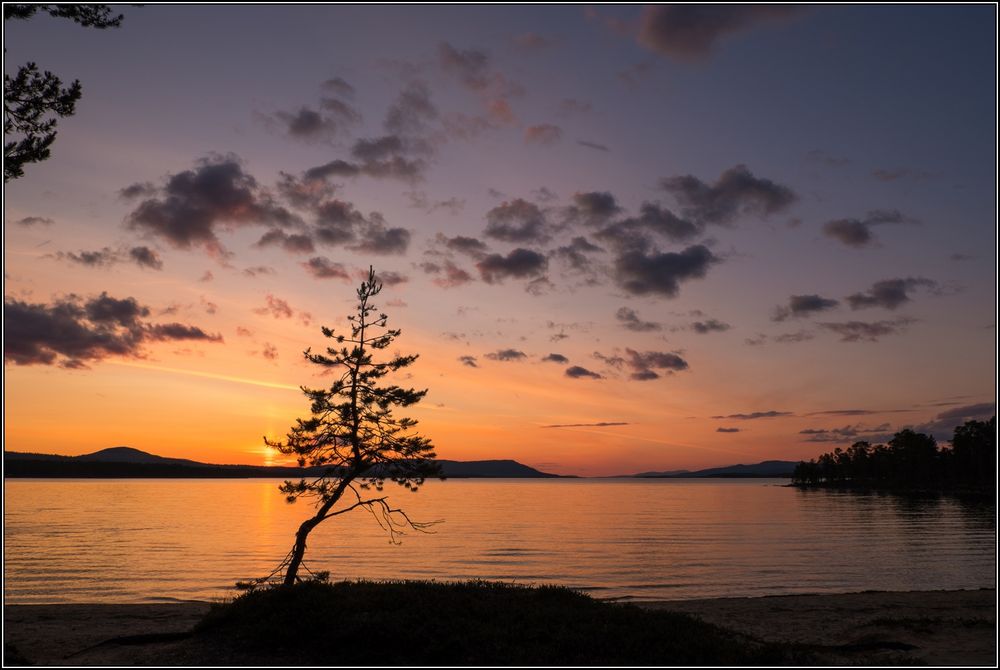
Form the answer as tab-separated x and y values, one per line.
209	375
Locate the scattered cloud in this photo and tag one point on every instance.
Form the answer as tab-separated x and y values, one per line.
34	221
727	430
640	273
629	319
517	221
594	145
645	364
709	326
507	355
691	32
321	267
751	416
469	361
577	372
599	424
803	306
737	192
188	209
889	293
519	263
73	331
556	358
862	331
857	233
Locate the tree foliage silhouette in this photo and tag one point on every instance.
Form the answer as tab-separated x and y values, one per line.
353	434
911	460
32	99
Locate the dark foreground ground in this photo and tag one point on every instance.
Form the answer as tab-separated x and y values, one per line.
484	624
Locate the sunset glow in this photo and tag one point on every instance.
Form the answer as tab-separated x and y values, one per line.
612	253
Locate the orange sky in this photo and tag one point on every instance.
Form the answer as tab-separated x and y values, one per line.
738	261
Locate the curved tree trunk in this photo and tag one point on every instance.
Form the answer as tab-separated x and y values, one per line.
299	550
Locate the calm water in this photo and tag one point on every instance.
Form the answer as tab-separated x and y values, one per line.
154	540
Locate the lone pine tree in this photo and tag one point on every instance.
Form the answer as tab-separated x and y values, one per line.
353	434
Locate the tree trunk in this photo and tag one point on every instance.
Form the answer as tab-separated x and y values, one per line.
299	550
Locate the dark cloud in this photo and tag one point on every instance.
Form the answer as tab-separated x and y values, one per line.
861	331
307	124
276	307
469	246
645	364
99	258
803	306
737	192
856	412
321	267
507	355
555	358
395	167
449	275
630	320
599	424
846	434
376	238
338	86
577	372
690	32
709	326
304	193
654	273
377	148
519	263
145	257
387	277
544	134
942	427
142	189
191	205
270	352
889	293
469	361
73	331
727	430
593	145
517	221
575	253
594	208
34	221
296	243
769	414
142	256
857	233
412	111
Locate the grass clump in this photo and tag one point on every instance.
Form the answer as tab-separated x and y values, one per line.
470	623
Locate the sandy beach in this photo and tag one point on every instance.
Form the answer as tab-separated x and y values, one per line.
932	627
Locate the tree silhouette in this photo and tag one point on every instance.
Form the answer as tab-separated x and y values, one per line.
30	97
353	434
911	460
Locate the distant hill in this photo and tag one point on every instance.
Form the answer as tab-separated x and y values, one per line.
127	462
762	469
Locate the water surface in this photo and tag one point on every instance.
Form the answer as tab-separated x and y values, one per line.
130	540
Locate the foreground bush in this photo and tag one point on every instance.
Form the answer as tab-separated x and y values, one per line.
474	623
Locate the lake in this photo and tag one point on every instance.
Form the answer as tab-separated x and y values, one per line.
131	540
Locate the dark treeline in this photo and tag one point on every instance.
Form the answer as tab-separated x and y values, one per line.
911	460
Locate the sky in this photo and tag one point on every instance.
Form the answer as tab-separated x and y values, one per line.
620	239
